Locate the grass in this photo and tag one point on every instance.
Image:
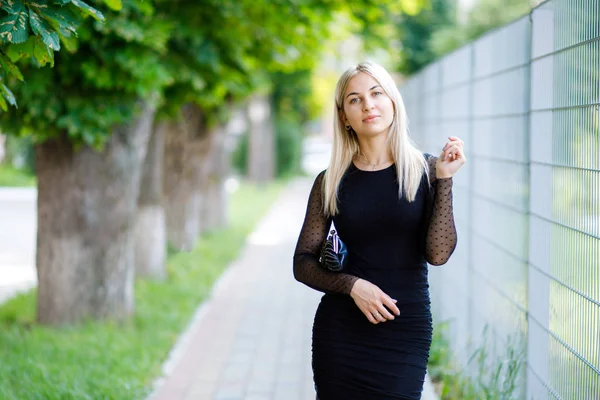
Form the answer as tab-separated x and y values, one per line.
10	176
105	360
492	377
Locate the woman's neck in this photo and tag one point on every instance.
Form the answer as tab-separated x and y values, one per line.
374	151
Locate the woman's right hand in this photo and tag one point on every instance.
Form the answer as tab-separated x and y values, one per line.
372	301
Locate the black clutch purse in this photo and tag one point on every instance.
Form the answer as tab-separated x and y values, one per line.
334	253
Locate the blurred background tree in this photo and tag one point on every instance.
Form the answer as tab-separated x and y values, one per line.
416	31
128	126
468	25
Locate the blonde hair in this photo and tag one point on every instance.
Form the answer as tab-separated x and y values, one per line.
409	160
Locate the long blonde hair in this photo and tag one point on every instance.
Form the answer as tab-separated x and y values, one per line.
410	162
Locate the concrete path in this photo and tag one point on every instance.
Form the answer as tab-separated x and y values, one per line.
18	224
251	340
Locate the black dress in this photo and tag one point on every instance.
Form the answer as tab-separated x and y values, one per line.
390	241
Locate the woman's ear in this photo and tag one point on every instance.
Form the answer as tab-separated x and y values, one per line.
343	118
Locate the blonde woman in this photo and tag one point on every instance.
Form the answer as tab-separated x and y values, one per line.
391	205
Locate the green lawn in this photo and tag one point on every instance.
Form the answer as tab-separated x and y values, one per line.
108	361
10	176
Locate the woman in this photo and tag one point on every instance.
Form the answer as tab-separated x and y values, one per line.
392	207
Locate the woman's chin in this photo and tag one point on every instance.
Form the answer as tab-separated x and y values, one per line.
372	131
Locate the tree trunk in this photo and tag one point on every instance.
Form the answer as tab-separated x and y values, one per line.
87	202
150	229
186	145
261	146
215	204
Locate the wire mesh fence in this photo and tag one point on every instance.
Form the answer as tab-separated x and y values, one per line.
525	277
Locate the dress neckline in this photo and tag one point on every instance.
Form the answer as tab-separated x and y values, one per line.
371	172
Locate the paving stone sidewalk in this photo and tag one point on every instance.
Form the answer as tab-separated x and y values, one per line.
252	339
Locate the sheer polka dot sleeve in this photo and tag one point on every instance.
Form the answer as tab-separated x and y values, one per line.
306	256
441	233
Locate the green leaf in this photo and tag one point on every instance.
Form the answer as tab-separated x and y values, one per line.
42	54
8	95
9	67
114	4
3	104
64	17
69	42
14	27
89	10
41	27
17	51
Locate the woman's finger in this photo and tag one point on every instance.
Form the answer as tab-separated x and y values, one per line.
459	153
371	318
391	305
456	138
384	312
446	155
453	152
377	315
453	144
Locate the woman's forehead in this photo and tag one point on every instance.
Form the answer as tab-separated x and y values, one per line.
360	83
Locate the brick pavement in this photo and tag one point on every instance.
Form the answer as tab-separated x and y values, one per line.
251	340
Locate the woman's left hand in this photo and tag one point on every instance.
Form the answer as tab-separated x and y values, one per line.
451	158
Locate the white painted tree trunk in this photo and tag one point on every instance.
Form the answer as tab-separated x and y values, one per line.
150	230
187	145
261	140
215	206
87	202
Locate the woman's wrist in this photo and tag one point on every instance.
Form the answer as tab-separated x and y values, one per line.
354	288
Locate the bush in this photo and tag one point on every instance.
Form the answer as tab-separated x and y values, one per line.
288	145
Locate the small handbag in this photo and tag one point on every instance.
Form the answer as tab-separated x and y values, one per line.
334	254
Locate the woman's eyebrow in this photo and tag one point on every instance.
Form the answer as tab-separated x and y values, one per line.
350	94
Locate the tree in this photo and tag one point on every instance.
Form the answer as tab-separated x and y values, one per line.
164	67
484	16
415	32
36	30
90	117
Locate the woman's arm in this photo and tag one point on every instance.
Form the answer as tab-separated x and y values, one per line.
441	236
306	256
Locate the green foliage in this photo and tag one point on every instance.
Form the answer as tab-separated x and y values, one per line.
415	32
293	107
239	158
36	29
498	379
20	154
288	144
495	375
100	360
435	30
115	64
483	17
440	354
212	53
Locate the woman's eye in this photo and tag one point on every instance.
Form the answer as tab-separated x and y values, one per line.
354	100
377	93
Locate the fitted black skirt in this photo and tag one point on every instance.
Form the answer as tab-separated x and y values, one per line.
353	359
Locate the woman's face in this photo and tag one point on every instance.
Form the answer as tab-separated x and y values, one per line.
367	109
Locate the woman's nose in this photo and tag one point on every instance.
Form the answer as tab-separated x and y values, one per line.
368	105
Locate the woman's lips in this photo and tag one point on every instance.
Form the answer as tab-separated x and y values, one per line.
371	118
